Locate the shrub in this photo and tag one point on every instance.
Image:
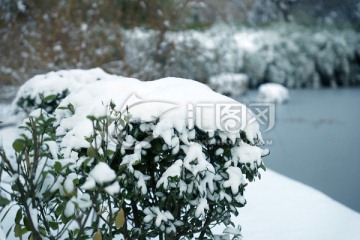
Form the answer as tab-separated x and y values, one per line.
273	92
118	166
46	91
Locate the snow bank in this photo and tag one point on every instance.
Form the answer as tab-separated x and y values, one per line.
281	208
273	92
233	84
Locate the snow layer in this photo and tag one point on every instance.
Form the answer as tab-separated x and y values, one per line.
54	83
281	208
166	99
273	92
101	174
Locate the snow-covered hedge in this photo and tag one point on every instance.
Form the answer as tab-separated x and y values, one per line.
47	90
230	83
132	160
291	55
288	54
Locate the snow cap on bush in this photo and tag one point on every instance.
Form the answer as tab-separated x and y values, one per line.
49	89
182	153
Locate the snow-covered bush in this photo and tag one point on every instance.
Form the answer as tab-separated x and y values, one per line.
191	56
273	92
233	84
128	159
47	90
288	54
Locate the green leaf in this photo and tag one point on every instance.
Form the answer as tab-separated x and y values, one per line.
112	105
18	145
262	166
60	209
50	98
27	223
86	161
71	108
54	225
120	219
19	231
122	167
58	167
91	118
109	152
15	187
97	236
91	152
18	216
42	230
4	201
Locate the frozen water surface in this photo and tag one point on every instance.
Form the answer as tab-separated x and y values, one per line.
316	140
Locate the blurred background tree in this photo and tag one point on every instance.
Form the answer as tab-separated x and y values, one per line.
37	36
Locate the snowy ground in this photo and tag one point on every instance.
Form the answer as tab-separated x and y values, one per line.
282	209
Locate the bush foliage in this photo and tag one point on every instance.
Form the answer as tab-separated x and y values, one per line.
129	183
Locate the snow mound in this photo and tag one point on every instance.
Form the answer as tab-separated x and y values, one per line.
178	104
58	84
233	84
273	92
